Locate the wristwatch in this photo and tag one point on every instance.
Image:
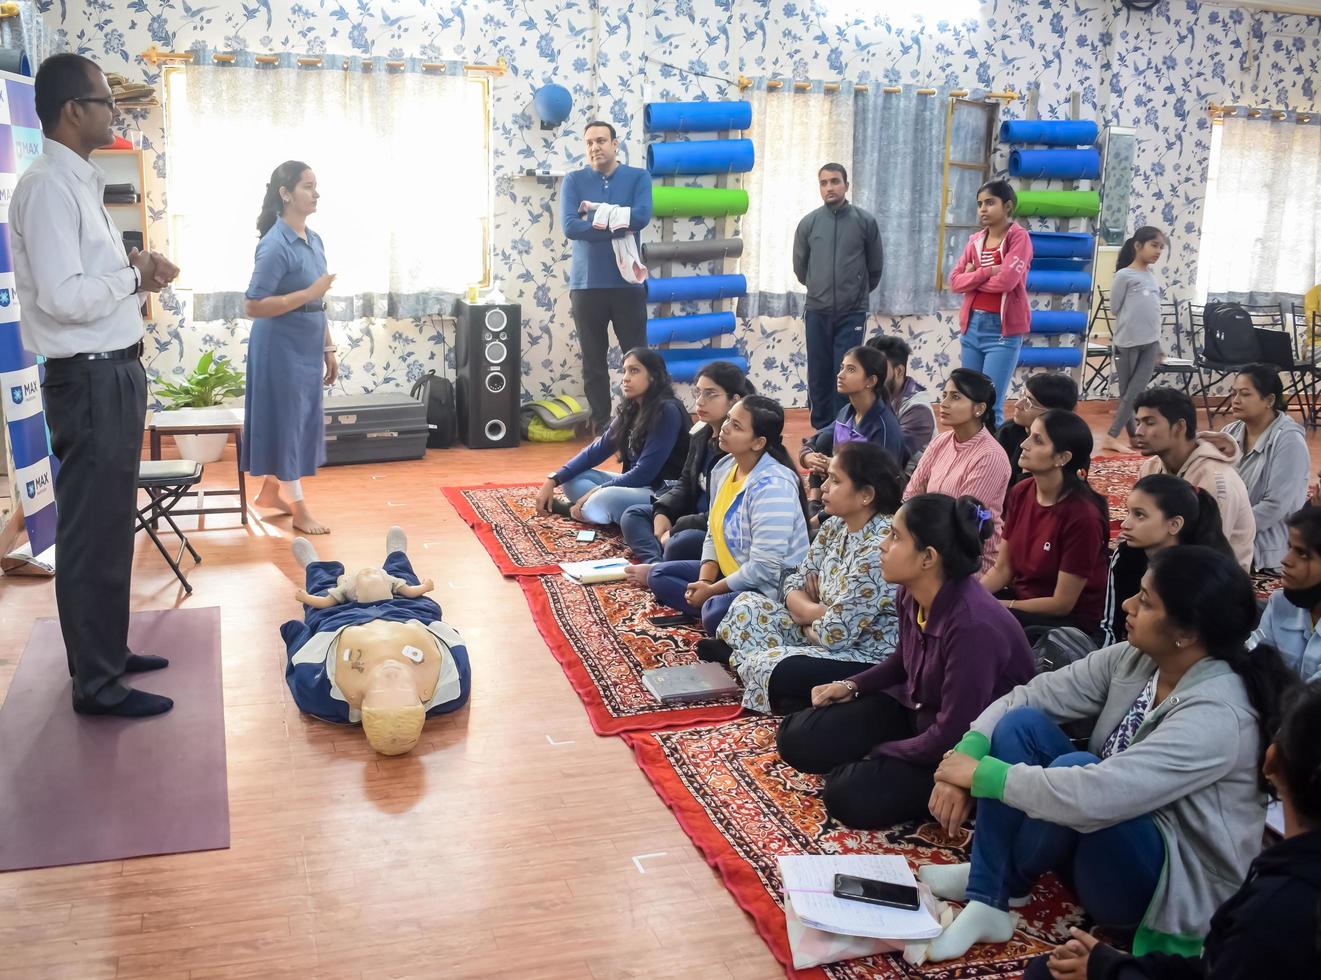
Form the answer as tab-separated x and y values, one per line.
551	478
137	279
852	687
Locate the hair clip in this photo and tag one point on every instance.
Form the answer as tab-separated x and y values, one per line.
983	515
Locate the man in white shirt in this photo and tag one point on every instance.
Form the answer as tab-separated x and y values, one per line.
81	310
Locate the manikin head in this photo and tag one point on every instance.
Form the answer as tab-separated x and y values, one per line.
366	585
392	712
388	671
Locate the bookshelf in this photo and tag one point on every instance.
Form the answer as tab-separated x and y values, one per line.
128	167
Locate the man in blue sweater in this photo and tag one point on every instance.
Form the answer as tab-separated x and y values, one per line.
598	293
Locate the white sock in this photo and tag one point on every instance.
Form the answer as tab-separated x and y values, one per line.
947	881
977	923
293	489
304	551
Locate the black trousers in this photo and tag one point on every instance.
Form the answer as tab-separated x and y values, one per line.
863	793
792	680
96	411
593	312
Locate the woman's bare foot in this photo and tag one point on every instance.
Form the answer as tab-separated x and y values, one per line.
1111	444
270	499
305	522
637	575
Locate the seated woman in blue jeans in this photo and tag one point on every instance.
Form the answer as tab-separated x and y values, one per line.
649	434
758	523
1156	823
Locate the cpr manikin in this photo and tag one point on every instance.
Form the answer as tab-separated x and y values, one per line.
373	650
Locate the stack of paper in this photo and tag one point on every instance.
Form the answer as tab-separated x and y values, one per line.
592	572
809	880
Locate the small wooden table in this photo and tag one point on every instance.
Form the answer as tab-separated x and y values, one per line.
197	421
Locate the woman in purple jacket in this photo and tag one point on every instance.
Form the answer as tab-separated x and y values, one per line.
879	735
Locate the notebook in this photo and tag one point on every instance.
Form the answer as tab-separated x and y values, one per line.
690	682
593	572
809	881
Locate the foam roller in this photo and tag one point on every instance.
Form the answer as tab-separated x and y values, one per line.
1059	321
1058	204
654	253
696	117
1049	281
677	289
701	157
683	365
705	202
1055	164
1049	357
1058	265
1049	132
1062	244
688	329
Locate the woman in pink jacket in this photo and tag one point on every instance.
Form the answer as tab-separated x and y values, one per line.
992	276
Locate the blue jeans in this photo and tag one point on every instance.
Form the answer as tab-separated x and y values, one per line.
670	580
829	337
985	349
639	526
1113	871
608	504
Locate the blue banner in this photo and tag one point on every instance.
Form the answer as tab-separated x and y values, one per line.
20	375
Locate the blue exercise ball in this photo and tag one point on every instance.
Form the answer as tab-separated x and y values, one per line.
553	103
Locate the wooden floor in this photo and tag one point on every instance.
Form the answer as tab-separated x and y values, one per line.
511	842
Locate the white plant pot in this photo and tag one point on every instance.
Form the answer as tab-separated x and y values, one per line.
204	447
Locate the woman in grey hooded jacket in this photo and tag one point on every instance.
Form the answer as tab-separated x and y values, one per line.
1156	823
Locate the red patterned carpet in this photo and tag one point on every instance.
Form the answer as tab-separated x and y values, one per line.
1113	477
743	807
602	638
521	541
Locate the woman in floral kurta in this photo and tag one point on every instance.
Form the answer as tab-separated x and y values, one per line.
835	605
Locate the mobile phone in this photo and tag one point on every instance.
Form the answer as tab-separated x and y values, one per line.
666	621
586	535
877	892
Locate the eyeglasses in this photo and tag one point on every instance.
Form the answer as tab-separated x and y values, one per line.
109	103
706	394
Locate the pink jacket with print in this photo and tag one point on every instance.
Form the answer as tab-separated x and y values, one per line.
1010	282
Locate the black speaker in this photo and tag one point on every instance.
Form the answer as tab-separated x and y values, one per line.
489	366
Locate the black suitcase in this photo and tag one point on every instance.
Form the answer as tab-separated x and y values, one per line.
376	428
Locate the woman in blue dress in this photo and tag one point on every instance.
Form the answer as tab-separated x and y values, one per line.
290	354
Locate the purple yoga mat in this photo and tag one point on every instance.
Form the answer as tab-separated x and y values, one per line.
76	789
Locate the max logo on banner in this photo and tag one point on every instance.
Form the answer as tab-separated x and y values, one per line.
38	485
5	297
21	393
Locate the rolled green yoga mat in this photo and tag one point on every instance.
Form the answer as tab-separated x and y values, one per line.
707	202
1059	204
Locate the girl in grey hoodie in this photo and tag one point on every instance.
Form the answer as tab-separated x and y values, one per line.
1156	823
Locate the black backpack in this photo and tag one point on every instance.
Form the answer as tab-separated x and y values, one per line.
1230	337
437	394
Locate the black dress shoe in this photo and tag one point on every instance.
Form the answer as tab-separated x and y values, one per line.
138	704
137	663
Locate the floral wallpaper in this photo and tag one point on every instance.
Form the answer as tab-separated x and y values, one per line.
1155	71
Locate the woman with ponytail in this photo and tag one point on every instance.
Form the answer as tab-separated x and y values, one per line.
1052	566
966	459
1156	823
1135	306
757	525
291	357
877	734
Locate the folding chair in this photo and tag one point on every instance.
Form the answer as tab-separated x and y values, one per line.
1179	366
1097	358
1212	371
1306	371
166	481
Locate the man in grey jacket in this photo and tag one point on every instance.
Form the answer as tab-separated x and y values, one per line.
838	257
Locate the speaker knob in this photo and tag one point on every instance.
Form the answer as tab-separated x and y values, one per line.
495	383
495	430
496	319
496	352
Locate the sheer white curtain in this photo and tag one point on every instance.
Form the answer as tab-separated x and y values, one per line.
402	165
795	133
1261	232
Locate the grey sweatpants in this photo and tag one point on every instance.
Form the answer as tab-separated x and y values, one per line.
1134	368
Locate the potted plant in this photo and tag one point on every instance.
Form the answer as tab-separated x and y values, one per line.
210	384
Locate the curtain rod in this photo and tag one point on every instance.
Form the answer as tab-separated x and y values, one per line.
155	57
8	10
1221	110
774	84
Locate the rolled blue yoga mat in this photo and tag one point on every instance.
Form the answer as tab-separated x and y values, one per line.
700	157
1049	357
1062	244
696	117
684	364
676	289
1050	281
1055	164
688	329
1058	265
1049	132
1059	321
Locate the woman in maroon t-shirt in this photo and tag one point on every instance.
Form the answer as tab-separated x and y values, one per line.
1053	563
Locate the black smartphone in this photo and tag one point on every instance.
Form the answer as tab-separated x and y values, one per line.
668	621
877	892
